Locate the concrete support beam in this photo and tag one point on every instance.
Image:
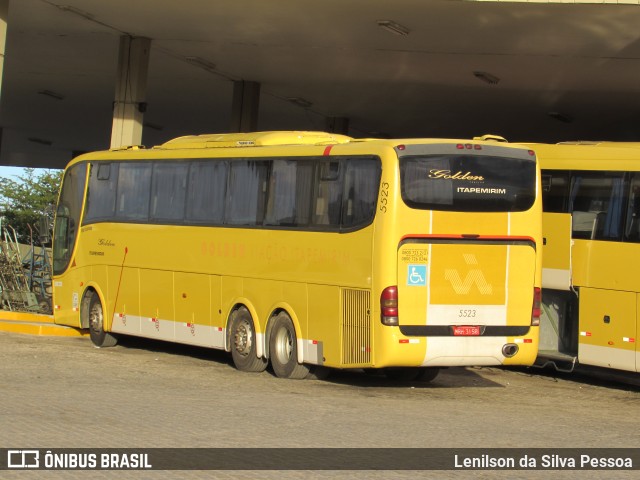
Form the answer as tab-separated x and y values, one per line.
131	86
246	103
4	15
583	2
337	125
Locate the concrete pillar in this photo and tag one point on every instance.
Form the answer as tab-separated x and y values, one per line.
246	102
337	125
131	87
4	15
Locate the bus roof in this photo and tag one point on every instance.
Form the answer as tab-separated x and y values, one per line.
284	138
256	139
584	155
239	141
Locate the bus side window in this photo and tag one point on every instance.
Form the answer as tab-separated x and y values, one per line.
247	192
207	192
134	184
328	196
101	195
360	192
281	204
632	230
168	191
304	193
596	204
555	191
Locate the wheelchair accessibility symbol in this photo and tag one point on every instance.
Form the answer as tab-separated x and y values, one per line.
417	275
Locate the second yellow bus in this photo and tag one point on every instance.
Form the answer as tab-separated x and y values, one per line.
591	225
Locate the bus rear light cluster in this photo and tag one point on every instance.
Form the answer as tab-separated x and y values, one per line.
468	146
535	311
389	306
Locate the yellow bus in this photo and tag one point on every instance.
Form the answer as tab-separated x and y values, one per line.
591	226
306	250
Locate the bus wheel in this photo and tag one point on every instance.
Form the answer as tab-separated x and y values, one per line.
427	374
99	337
243	343
283	349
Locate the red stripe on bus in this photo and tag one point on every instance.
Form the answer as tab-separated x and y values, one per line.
327	150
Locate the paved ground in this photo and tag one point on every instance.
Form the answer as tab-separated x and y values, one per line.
59	392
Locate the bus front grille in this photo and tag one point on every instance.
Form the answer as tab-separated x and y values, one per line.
355	326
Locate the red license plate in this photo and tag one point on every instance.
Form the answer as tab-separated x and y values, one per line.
466	331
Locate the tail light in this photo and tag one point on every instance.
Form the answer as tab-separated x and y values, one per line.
389	306
535	311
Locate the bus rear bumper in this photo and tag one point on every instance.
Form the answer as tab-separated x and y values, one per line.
459	351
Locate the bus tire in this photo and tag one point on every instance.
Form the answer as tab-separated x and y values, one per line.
243	343
283	349
99	337
427	374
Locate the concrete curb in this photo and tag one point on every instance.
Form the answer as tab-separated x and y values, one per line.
34	324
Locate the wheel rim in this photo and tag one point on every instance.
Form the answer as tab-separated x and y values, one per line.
95	317
283	345
242	338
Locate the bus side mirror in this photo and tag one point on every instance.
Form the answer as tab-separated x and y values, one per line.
44	226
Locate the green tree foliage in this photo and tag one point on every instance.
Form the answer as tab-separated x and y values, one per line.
24	201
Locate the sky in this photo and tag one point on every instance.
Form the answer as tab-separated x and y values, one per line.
10	172
13	172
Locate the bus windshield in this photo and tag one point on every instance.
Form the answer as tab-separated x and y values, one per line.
68	216
469	183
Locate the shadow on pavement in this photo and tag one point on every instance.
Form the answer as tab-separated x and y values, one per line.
454	377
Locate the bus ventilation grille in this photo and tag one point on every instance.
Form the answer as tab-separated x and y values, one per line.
356	321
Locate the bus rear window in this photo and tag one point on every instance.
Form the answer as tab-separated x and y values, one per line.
468	183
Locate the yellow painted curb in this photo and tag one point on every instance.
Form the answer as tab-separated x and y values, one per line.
34	324
42	329
25	317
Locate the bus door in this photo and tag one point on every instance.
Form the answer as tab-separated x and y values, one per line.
608	328
556	257
558	316
606	263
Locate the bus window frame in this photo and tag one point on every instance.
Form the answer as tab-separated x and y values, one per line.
316	161
594	233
